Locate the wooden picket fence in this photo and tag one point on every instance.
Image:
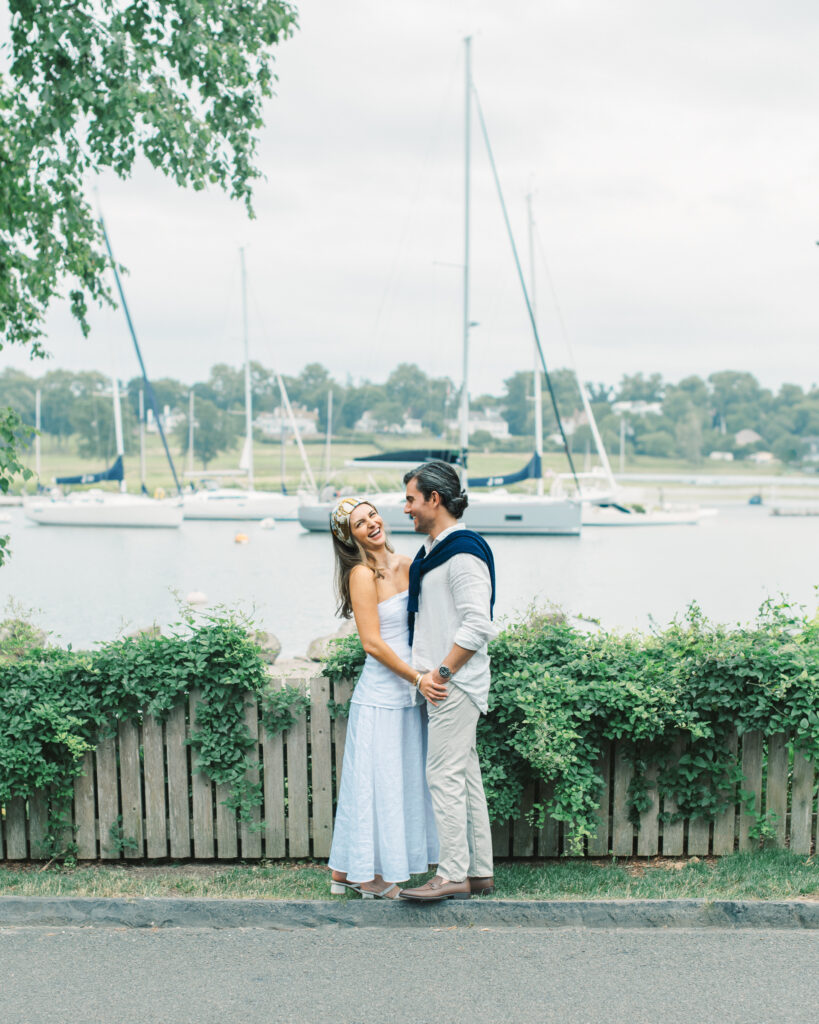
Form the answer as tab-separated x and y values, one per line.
139	798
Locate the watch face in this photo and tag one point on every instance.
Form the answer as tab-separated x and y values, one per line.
444	672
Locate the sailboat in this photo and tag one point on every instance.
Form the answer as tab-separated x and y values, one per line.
603	501
489	512
239	503
96	507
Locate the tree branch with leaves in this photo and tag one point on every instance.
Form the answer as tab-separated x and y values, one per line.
90	86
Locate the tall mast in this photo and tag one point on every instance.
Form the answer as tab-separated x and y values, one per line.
118	426
142	473
538	395
467	155
248	399
584	398
37	400
329	439
149	391
190	430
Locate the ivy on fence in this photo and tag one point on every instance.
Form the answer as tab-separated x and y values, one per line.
559	693
55	704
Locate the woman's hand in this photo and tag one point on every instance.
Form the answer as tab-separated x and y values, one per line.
432	688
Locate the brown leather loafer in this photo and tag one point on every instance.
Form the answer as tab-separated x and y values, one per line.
482	886
438	888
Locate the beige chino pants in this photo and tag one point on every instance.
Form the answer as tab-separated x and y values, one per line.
456	787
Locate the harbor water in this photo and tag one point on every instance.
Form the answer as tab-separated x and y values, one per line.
89	585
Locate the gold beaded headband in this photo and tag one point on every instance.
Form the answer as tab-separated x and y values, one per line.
340	519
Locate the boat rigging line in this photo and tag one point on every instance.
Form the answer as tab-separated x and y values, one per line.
584	398
288	408
149	391
522	280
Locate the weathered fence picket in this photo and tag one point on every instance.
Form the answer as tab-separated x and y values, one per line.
622	840
725	821
16	829
85	814
130	791
177	759
752	770
523	837
37	823
251	834
500	838
141	795
548	837
204	846
801	803
776	790
598	845
156	817
107	798
298	823
673	832
275	837
321	761
341	694
648	835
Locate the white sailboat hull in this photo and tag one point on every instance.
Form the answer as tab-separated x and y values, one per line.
102	508
598	515
499	514
227	503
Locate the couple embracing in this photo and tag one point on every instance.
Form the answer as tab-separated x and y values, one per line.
411	790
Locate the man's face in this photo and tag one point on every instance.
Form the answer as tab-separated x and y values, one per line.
420	509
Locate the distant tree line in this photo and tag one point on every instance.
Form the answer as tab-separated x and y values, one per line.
684	420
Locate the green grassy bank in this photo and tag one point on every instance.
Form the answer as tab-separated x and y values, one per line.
765	875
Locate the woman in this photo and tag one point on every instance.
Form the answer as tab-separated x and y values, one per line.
384	829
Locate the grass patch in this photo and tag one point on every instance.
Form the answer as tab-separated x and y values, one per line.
768	875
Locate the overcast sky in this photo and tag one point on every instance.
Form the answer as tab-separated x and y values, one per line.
672	149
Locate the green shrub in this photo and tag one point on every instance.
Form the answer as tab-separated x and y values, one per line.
55	703
670	698
559	694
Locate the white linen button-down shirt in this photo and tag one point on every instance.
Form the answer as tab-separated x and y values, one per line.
454	609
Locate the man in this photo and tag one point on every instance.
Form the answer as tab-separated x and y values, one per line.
452	591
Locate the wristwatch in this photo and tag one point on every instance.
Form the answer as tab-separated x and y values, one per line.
444	672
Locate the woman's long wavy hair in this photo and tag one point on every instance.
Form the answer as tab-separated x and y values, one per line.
347	558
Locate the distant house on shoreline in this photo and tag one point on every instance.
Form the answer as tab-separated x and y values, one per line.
369	424
638	407
746	437
171	418
489	420
271	424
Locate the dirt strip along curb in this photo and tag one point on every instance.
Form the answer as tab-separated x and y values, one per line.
286	915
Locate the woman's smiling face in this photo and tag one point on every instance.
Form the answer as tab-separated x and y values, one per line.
367	527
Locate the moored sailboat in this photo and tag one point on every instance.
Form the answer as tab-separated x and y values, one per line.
489	512
97	507
241	504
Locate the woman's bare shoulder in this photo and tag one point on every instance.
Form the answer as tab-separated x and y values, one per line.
405	562
360	575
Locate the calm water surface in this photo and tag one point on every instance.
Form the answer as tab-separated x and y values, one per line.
87	585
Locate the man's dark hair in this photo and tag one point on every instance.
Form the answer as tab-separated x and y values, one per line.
441	478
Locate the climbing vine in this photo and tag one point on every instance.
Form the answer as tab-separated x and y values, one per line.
559	695
670	698
55	704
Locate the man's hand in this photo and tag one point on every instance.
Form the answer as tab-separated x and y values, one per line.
432	688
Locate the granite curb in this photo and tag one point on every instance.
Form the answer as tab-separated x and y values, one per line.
287	915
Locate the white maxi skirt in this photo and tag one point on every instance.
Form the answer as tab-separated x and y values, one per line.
384	823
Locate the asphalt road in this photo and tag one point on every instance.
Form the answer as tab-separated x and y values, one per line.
413	976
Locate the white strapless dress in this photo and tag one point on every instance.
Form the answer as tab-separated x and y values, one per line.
384	822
